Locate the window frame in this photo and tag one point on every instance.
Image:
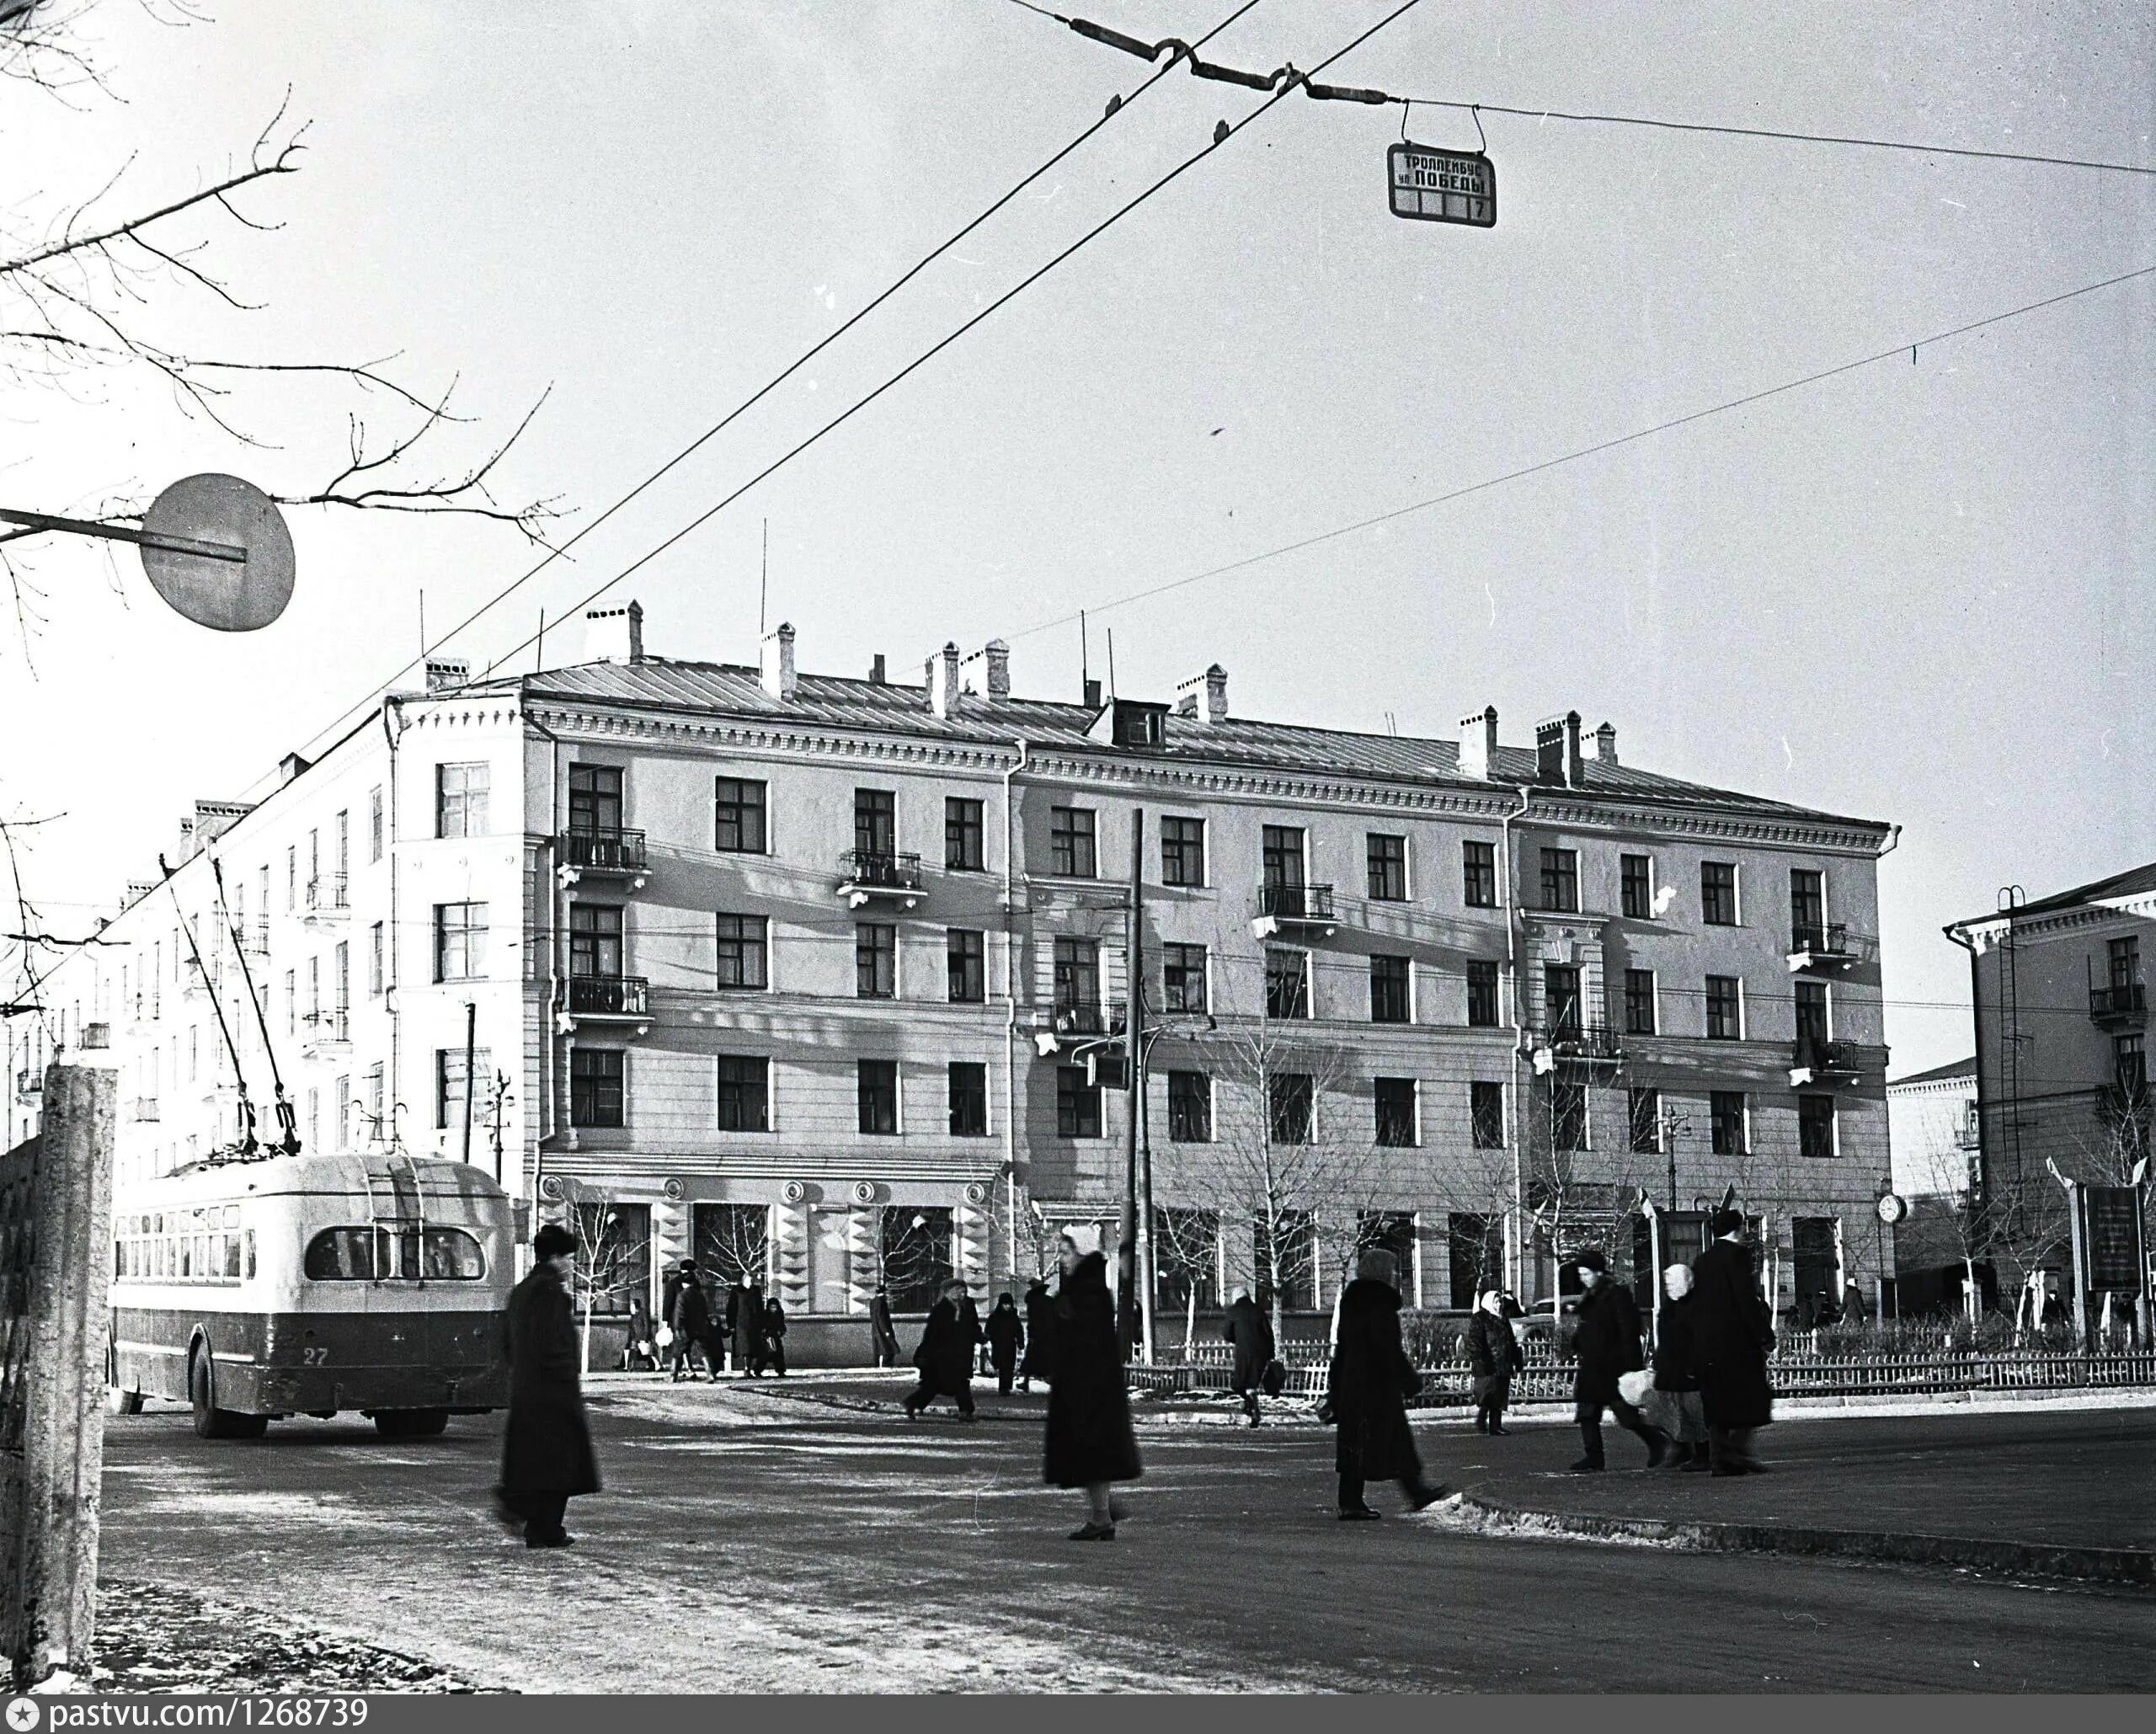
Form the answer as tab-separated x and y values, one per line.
1482	1095
1175	976
461	940
1637	1003
1724	1011
1478	873
599	1077
1412	1089
750	1087
1077	1103
1301	996
877	1089
1289	1095
977	1071
965	834
1384	870
1190	1104
1711	890
594	798
1721	1104
1073	832
739	809
965	965
1636	890
1643	1115
1560	880
1485	972
875	960
468	802
749	947
1182	851
591	941
1813	1108
1392	990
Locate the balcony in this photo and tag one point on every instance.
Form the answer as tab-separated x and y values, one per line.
30	1085
255	939
146	1108
330	1028
1069	1025
873	875
327	899
1815	945
1815	1063
614	854
1295	909
2124	1007
609	999
1575	1045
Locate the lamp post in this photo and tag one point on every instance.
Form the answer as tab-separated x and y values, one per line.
1141	1058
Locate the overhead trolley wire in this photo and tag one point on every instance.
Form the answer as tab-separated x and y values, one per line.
1585	451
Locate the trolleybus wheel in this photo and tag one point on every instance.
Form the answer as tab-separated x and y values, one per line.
211	1422
410	1423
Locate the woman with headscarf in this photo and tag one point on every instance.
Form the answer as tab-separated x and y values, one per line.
1493	1356
1249	1332
1732	1331
1673	1405
1089	1443
1370	1381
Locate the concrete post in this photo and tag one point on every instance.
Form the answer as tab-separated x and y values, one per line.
56	1210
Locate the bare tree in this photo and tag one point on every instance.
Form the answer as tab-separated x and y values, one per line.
613	1254
1185	1261
1579	1196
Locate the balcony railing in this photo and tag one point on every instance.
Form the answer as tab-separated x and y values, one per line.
610	996
1076	1020
1296	903
1813	1061
2110	1007
1592	1043
327	895
602	851
331	1024
880	870
146	1108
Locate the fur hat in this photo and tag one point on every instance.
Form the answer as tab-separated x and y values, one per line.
1376	1265
1590	1258
1726	1222
553	1241
1085	1238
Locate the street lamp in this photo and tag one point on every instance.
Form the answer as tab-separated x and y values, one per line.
1149	1037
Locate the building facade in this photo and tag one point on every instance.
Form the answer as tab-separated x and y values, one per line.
1933	1122
831	979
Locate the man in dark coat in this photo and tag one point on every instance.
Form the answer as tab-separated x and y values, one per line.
1675	1402
1493	1356
773	1336
1089	1443
744	1313
1249	1332
881	1330
1004	1334
1732	1332
688	1316
969	1322
1607	1341
1369	1383
1035	1363
945	1358
547	1458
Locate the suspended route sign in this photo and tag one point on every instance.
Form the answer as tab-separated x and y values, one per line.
1437	186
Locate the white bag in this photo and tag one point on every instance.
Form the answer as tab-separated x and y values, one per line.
665	1336
1633	1387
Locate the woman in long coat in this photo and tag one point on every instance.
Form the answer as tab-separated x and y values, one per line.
1673	1405
1370	1381
1089	1443
745	1314
1493	1356
1732	1332
1034	1365
1249	1332
546	1457
945	1358
688	1316
1004	1333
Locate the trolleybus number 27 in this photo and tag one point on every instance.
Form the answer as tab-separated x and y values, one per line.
311	1356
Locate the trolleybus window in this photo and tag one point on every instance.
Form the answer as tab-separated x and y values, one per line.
363	1255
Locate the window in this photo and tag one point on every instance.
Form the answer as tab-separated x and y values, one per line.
1183	977
1807	906
1286	1249
1477	1246
1644	1116
374	826
876	960
1387	859
1283	846
875	822
313	1002
744	1093
1390	993
372	1108
737	810
917	1245
1638	1002
1635	885
595	798
1718	894
743	955
962	847
1478	868
1395	1100
1812	1019
343	1100
1190	1107
1287	983
1486	1105
1725	1009
2123	960
342	856
1561	998
1815	1128
876	1090
2130	1062
1185	1259
1390	1231
596	940
1077	976
452	1084
1077	1104
291	885
291	1002
969	1099
1482	995
1567	1115
1070	842
731	1242
1726	1126
376	962
1182	851
365	1255
1291	1107
613	1254
596	1078
460	800
460	942
1560	880
341	977
966	958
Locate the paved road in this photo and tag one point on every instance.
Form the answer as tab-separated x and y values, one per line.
749	1543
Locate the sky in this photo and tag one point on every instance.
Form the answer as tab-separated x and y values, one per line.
1915	591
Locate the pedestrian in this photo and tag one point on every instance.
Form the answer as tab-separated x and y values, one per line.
1674	1406
1249	1333
880	1328
1004	1333
1606	1339
690	1319
945	1358
1367	1391
1493	1356
773	1336
969	1322
640	1352
546	1457
1731	1333
1088	1442
1035	1363
746	1316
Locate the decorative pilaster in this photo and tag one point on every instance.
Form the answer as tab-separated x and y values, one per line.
863	1256
969	1244
790	1255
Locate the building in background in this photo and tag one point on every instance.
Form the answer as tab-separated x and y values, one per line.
1939	1256
828	979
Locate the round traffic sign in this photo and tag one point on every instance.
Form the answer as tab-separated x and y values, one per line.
226	596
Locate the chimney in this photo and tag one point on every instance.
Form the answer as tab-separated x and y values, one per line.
1478	743
779	681
999	669
447	671
1605	744
1574	776
289	767
1214	709
1550	751
876	671
614	634
1093	695
943	681
213	819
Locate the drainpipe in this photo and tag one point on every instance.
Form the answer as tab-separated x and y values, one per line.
1011	1011
542	1127
1518	1127
393	728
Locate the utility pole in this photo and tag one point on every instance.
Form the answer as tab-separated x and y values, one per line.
1126	1308
471	1082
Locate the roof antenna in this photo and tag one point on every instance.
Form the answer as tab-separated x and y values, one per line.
1111	662
1085	659
539	656
764	590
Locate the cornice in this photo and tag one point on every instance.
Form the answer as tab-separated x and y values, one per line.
1987	930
